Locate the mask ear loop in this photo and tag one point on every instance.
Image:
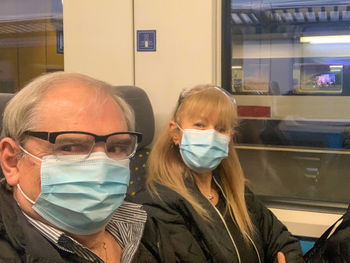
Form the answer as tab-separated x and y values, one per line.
18	185
24	195
28	153
179	127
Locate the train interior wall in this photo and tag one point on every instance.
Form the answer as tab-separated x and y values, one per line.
187	45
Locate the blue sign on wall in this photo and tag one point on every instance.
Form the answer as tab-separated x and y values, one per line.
59	43
146	40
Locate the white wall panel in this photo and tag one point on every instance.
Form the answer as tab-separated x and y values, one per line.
98	39
186	52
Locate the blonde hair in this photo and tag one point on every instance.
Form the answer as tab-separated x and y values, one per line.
166	167
22	112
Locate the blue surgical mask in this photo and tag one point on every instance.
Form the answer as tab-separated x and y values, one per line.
203	150
80	197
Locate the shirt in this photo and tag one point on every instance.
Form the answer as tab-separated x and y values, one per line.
126	226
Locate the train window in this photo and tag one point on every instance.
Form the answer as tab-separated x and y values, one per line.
290	74
31	41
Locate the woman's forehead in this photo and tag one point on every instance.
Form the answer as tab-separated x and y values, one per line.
212	117
216	109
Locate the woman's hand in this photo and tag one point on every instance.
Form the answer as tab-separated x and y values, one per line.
281	258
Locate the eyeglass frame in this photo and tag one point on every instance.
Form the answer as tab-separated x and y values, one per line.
51	136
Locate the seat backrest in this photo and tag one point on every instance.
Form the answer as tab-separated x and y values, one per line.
4	99
144	118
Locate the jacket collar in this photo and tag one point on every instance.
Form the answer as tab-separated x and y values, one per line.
24	238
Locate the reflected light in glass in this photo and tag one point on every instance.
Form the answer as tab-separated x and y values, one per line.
336	66
326	39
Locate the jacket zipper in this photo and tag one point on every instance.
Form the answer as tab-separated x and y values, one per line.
251	240
228	232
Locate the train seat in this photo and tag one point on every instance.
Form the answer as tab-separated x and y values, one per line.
139	101
4	99
144	118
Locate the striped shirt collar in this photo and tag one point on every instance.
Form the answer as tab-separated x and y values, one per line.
126	226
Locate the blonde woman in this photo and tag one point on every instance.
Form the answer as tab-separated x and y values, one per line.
198	205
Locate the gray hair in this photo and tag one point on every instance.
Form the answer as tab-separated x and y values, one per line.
22	111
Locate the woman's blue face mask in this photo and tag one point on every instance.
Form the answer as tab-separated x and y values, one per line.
203	150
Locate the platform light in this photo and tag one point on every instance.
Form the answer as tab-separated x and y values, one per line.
246	18
236	19
310	15
334	15
336	39
346	15
322	15
256	20
299	16
287	16
278	17
335	66
335	70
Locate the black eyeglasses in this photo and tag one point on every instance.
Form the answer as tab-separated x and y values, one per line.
118	145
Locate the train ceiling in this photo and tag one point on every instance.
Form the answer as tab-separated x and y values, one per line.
18	16
289	12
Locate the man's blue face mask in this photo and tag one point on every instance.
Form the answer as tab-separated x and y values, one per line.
203	150
80	197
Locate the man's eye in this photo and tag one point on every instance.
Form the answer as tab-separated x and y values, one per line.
66	148
72	148
119	149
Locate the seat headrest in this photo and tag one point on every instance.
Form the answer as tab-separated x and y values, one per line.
144	118
4	99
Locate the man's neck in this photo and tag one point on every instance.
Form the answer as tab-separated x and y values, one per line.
103	244
90	241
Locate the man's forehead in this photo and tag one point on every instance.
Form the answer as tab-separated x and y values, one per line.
74	105
73	92
69	87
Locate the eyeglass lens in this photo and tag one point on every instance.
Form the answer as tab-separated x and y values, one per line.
119	146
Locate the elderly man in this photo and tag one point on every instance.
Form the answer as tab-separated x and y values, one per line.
65	155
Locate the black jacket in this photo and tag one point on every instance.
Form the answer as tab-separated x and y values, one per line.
20	241
174	231
334	244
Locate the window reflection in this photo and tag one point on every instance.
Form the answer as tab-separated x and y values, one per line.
291	79
30	42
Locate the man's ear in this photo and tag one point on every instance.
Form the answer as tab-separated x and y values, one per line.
9	152
174	132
